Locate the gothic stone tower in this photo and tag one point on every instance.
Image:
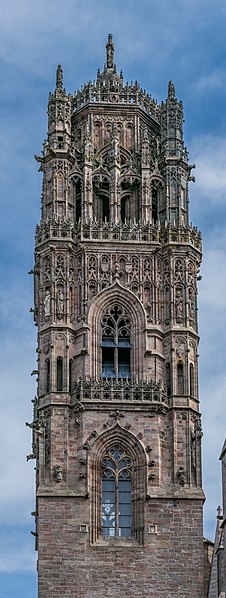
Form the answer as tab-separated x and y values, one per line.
116	423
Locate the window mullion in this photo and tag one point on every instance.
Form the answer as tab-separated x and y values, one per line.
116	353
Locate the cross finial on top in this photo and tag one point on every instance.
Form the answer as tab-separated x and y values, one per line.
110	52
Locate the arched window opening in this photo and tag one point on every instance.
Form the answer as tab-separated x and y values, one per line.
180	378
59	374
77	199
192	389
129	205
168	379
116	345
97	136
116	493
126	212
154	205
101	199
105	208
70	375
47	375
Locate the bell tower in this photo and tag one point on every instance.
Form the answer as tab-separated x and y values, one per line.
116	429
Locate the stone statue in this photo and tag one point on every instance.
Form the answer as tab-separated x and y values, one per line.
60	303
58	473
181	476
179	307
47	304
110	52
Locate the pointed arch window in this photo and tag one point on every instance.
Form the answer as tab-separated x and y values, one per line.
70	375
59	374
116	345
116	493
47	375
168	379
180	378
191	372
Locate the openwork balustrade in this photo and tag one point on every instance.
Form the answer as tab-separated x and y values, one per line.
120	390
149	233
115	92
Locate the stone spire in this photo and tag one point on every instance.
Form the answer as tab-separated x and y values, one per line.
110	52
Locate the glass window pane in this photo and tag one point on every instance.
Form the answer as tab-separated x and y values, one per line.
124	521
124	485
125	509
116	498
108	485
108	497
125	532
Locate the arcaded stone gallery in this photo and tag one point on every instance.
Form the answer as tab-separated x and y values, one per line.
116	429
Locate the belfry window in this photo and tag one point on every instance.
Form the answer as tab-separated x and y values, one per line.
116	493
116	345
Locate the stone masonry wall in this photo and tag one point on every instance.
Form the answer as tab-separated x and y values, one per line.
169	564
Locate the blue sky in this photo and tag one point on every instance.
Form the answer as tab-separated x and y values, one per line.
155	40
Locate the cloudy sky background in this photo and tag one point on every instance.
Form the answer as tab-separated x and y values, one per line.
155	40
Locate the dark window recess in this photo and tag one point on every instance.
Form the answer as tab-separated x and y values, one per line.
168	379
60	140
70	375
180	378
123	363
105	208
77	200
47	375
123	209
192	389
108	369
117	493
59	373
154	205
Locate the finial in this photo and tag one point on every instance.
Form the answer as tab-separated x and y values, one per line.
59	77
110	52
171	90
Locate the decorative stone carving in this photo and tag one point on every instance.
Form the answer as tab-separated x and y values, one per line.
181	476
180	342
191	305
60	267
178	270
58	473
179	305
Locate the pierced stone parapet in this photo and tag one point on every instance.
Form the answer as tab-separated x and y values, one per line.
110	89
120	390
140	232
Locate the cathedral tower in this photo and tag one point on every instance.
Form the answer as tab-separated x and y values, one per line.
116	429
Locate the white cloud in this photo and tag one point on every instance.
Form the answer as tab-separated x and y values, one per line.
17	356
213	399
16	552
213	81
209	153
